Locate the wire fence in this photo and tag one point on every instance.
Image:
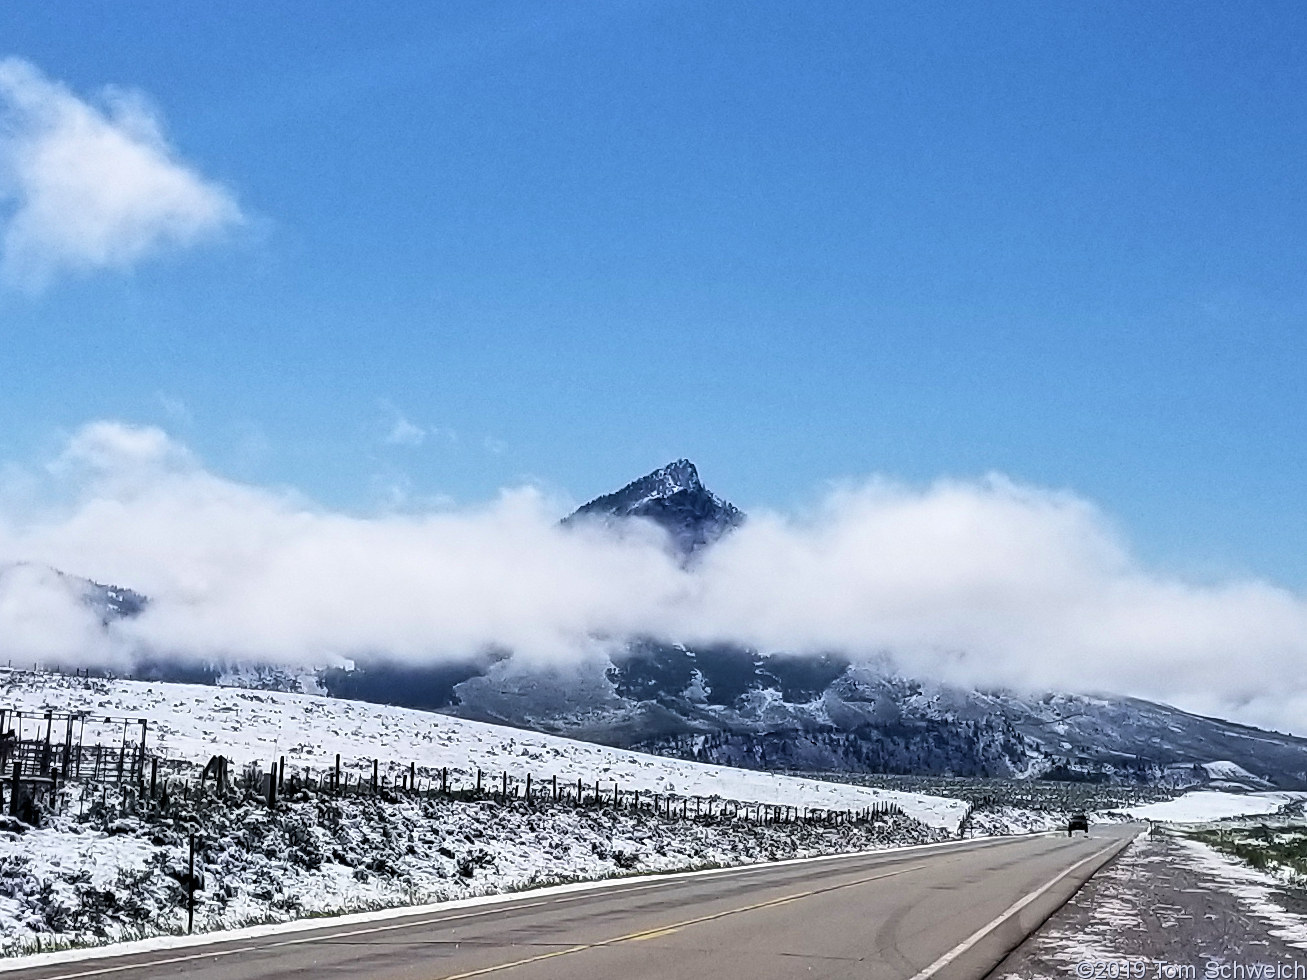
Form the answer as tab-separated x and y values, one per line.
390	781
44	750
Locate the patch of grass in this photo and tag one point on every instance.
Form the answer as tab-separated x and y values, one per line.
1280	848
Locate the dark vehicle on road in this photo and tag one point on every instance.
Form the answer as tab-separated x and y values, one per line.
1078	821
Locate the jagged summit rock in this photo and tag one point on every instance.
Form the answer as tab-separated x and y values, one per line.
680	476
673	497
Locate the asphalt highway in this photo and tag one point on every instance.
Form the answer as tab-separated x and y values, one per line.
944	912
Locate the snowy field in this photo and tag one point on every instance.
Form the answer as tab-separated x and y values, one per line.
106	878
1256	891
97	873
1203	805
997	821
196	722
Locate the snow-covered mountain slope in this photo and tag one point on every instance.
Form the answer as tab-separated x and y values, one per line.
738	707
1228	773
196	722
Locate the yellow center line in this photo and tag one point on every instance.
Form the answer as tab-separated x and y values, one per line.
657	933
674	927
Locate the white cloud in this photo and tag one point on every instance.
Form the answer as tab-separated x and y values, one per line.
43	618
393	492
405	433
399	430
986	582
86	187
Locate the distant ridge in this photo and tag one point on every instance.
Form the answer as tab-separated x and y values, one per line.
110	602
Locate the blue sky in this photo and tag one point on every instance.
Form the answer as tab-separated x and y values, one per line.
796	243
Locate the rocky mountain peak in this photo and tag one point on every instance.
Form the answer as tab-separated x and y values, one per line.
673	497
675	477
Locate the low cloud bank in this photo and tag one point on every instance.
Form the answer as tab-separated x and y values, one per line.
984	582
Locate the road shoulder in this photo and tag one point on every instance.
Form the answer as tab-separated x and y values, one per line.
1167	908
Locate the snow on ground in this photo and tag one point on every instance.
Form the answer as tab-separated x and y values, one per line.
1232	772
196	722
1003	820
1255	890
1203	805
1166	907
100	876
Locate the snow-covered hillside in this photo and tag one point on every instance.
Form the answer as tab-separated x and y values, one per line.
103	869
196	722
1232	774
103	877
1203	805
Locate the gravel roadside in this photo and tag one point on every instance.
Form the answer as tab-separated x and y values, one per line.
1168	908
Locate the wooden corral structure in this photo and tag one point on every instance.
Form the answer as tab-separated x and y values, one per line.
39	750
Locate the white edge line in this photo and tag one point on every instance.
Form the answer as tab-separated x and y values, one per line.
188	957
1010	911
36	961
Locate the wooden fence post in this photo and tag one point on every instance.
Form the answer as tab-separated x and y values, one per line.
190	892
140	752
